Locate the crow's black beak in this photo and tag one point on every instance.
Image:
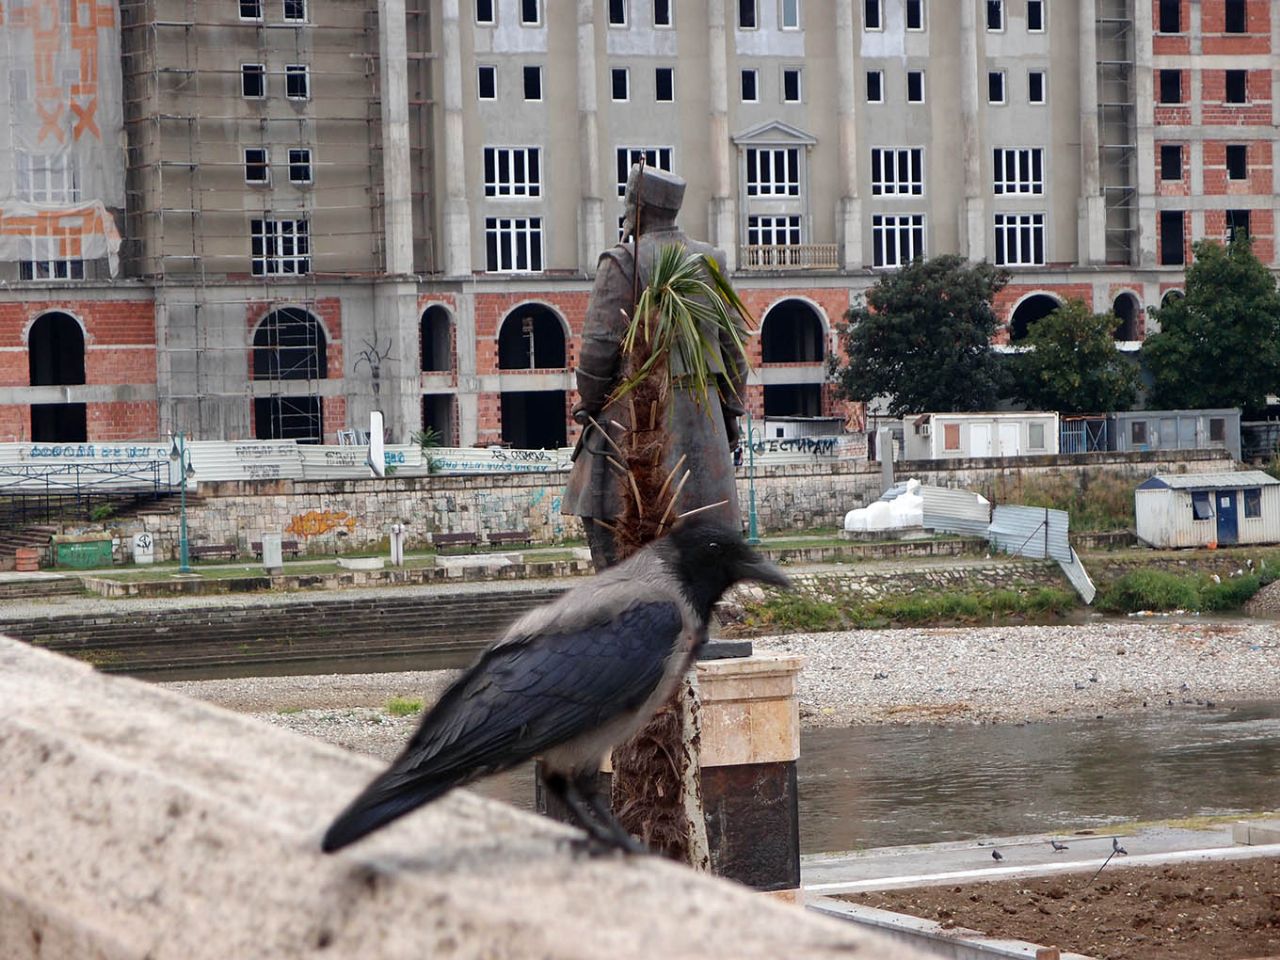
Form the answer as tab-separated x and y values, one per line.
758	568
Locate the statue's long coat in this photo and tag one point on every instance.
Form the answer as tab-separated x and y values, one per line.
703	433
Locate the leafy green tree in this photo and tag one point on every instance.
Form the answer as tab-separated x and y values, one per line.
922	338
1218	346
1073	366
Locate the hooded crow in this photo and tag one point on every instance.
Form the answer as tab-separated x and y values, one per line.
569	681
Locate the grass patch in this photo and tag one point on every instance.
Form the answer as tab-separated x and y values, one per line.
1098	502
288	711
1160	590
404	706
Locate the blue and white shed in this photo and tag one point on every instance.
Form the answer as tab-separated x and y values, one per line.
1192	510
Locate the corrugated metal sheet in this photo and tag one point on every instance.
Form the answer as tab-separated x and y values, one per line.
1211	481
61	467
955	511
1035	532
498	460
352	462
245	460
1079	578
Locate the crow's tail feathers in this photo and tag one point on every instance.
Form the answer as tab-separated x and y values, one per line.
390	796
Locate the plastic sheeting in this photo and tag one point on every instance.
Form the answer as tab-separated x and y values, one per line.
62	166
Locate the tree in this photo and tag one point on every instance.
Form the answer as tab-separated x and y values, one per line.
1073	366
1219	345
922	338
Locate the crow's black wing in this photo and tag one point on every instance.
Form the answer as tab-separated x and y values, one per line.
524	696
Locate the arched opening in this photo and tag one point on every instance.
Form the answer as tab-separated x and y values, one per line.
55	351
534	419
792	332
531	338
793	400
290	344
437	341
1170	296
1034	308
1128	313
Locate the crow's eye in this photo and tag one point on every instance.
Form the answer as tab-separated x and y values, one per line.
714	546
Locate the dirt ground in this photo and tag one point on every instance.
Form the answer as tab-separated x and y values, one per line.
1200	911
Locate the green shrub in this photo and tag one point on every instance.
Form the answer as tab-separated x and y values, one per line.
1231	594
404	706
1150	590
796	612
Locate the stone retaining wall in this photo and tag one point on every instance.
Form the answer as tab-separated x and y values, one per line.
335	515
988	576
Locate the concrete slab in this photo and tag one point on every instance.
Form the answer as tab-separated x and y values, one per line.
1256	832
137	823
23	576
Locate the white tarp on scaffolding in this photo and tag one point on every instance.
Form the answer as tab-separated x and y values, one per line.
62	158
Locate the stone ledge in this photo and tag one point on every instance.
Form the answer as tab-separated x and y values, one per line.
135	822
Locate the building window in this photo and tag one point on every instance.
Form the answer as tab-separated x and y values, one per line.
995	86
790	15
664	84
512	172
1035	16
620	83
530	12
750	86
295	11
1236	17
1237	161
1171	161
773	172
280	247
662	13
951	436
253	80
875	86
1170	86
915	14
256	169
1172	238
897	171
617	13
297	81
1252	495
1170	16
896	240
48	178
250	9
1237	86
773	231
995	14
746	14
1035	436
1019	170
300	165
1237	225
513	244
1035	87
871	15
1201	505
791	85
1138	432
628	157
50	267
486	82
1217	430
1019	239
533	83
484	11
915	86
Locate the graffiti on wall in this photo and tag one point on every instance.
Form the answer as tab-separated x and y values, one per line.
314	523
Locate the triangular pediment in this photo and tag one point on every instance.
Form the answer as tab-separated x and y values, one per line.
773	133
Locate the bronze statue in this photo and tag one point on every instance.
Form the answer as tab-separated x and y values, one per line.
703	432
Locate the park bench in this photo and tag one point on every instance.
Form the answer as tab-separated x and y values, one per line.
213	551
443	540
290	547
510	536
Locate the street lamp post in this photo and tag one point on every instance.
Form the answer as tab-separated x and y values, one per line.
753	523
182	457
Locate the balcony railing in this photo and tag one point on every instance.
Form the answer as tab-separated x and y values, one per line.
799	256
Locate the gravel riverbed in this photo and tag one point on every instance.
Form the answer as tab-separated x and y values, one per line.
956	675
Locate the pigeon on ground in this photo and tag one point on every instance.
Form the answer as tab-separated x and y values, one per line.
995	855
1058	847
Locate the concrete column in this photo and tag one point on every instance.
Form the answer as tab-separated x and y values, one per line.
395	323
973	215
591	231
849	227
723	217
457	212
1091	237
1144	107
468	400
397	177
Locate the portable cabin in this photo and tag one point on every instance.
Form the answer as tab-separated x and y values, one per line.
1193	510
956	436
1177	430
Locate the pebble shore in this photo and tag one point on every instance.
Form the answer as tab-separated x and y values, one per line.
939	676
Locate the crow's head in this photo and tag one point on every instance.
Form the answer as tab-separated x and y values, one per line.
710	557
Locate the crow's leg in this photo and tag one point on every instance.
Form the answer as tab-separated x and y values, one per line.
567	792
586	786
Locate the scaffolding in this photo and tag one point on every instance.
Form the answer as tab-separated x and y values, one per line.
238	250
1117	127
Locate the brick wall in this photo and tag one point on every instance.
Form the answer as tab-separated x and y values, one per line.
123	421
1213	94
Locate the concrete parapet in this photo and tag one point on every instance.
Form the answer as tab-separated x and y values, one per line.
1255	833
135	822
